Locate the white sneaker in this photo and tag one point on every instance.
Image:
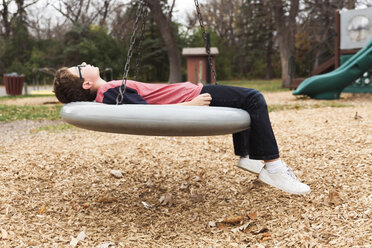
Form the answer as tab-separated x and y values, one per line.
285	180
251	165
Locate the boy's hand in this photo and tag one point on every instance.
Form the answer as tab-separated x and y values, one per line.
201	100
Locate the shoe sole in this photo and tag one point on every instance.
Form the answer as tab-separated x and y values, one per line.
266	179
252	169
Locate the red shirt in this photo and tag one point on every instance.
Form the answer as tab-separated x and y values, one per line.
138	92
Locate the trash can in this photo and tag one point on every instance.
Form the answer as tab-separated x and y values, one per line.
13	83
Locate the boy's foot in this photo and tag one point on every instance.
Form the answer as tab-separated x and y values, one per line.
251	165
284	179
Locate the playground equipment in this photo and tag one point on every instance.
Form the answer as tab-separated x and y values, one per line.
158	120
45	74
353	31
330	85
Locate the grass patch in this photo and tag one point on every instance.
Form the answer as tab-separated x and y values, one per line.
52	128
4	98
283	107
34	112
274	85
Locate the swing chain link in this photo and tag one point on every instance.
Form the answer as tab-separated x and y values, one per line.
143	27
123	86
207	46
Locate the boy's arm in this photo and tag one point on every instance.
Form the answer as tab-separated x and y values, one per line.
201	100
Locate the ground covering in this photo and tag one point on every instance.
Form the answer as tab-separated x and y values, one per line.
67	187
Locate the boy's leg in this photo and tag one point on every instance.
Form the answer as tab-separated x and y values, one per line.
259	141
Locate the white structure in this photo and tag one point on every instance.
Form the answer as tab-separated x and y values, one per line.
355	28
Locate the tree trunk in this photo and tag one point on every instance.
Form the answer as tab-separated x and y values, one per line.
351	4
269	52
269	47
285	24
106	5
6	22
164	25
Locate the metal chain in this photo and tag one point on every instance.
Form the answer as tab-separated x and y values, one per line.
139	54
208	49
123	86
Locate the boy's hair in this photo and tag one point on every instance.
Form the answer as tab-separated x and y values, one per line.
68	87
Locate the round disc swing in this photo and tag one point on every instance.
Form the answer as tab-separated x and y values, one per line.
155	120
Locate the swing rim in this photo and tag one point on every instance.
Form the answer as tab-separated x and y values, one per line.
156	120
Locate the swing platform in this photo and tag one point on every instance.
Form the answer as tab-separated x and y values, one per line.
156	120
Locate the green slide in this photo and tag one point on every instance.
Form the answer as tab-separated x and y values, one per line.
330	85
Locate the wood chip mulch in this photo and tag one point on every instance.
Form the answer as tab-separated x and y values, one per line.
79	188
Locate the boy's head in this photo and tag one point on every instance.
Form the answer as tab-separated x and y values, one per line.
77	84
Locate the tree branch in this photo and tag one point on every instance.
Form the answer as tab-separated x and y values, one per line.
64	14
171	10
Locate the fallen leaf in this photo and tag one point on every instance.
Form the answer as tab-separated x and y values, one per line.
233	220
4	234
211	224
266	236
263	230
116	173
149	184
252	216
196	179
334	198
81	236
240	228
357	117
107	199
74	242
147	206
184	185
106	245
195	197
166	199
42	209
220	226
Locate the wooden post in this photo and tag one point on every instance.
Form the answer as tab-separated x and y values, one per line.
337	38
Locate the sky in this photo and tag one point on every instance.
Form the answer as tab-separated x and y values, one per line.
181	8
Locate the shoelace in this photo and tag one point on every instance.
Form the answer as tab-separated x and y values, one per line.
290	172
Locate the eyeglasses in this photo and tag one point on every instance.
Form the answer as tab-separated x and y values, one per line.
79	66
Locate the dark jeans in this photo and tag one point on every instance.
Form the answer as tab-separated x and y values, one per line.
259	141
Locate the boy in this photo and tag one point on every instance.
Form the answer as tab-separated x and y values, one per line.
83	83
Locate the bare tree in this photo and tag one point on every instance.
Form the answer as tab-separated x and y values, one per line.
164	24
84	11
20	16
122	21
104	11
351	4
43	25
5	19
221	15
285	13
191	20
